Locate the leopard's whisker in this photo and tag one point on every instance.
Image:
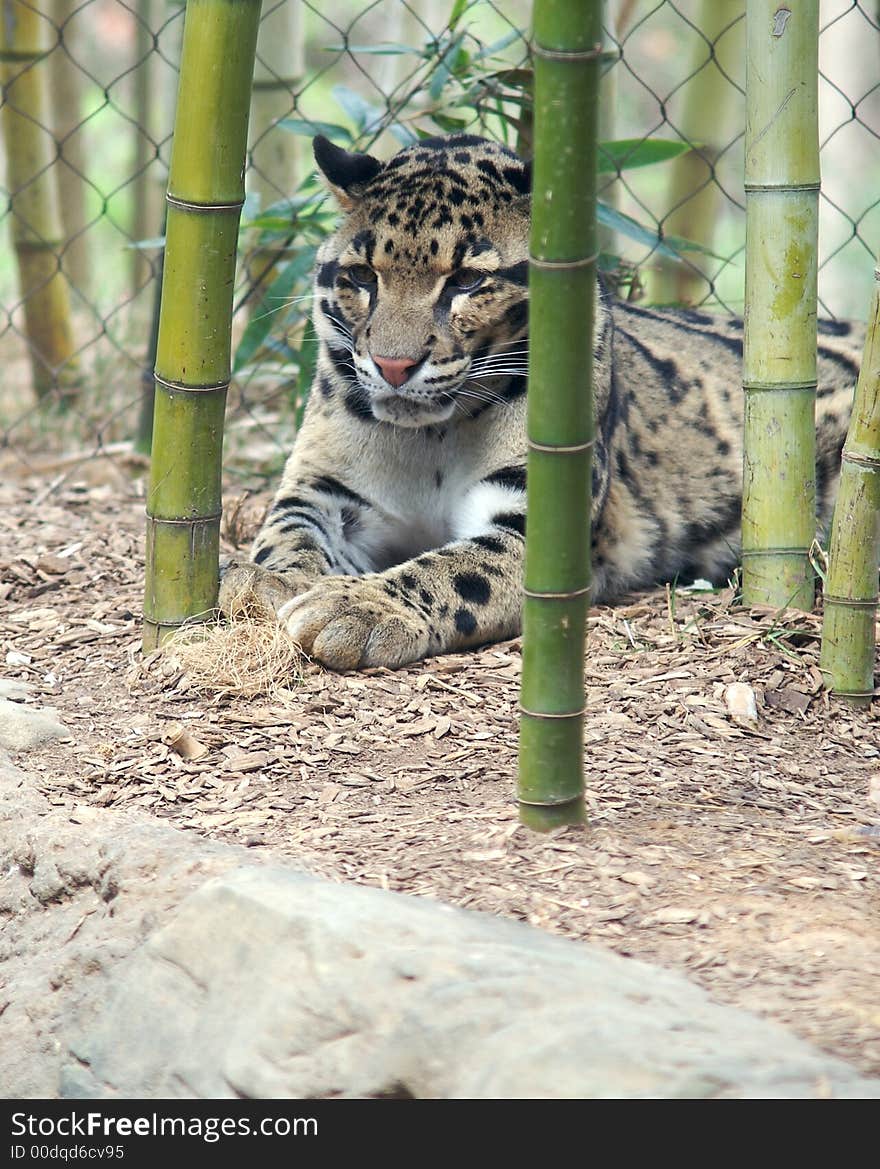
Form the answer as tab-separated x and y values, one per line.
485	396
500	371
340	327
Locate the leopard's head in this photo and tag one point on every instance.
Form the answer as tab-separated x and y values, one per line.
421	293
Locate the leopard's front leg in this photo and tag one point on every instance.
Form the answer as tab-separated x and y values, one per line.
311	531
462	594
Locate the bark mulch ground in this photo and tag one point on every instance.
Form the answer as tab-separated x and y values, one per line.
745	856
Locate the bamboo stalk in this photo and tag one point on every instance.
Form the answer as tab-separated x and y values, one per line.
618	17
143	439
275	157
567	52
779	360
31	179
67	111
205	195
708	110
146	211
850	595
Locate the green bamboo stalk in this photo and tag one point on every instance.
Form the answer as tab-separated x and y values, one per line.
610	188
779	360
143	438
850	596
708	109
144	189
31	179
276	158
67	83
205	195
567	53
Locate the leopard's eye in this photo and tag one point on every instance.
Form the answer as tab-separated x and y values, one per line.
361	275
465	280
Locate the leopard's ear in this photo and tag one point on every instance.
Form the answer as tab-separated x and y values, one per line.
347	173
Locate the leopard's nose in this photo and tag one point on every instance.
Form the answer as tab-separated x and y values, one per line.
395	370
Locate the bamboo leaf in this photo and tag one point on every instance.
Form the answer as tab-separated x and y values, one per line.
308	360
496	47
405	135
669	246
632	229
281	348
449	124
383	49
263	319
271	225
458	10
679	244
520	78
283	208
309	129
364	115
627	153
445	66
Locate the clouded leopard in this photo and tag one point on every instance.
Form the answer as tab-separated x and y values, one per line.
398	528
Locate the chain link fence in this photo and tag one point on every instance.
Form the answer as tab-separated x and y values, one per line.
87	118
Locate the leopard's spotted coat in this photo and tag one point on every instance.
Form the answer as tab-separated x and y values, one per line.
397	531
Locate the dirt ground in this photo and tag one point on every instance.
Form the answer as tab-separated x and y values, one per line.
746	858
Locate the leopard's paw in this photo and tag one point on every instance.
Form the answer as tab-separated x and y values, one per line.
349	623
250	591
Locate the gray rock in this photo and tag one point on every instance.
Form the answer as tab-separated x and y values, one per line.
78	894
23	727
273	984
142	962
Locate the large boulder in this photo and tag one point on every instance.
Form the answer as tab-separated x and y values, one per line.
142	962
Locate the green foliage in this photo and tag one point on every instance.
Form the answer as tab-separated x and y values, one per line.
627	153
276	298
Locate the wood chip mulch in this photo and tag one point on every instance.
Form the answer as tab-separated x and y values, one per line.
743	854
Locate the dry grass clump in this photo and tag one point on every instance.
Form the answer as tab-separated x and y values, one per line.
248	655
244	657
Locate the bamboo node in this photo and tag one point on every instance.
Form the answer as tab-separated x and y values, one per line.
37	245
583	262
192	521
539	595
573	55
183	388
551	449
872	462
783	187
851	602
776	551
190	205
550	803
13	56
547	715
781	387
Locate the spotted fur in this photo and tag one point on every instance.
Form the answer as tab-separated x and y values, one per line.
398	528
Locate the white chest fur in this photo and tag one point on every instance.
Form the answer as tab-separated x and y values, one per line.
428	490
